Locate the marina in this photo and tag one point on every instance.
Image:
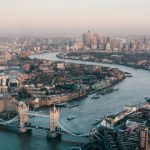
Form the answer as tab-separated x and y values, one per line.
108	91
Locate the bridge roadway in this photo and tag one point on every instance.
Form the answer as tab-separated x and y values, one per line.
58	131
63	129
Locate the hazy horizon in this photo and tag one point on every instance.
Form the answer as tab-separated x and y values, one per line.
70	17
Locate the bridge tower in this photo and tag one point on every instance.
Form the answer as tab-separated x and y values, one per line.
23	116
54	122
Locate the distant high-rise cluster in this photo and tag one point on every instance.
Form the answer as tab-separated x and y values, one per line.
87	41
91	42
107	43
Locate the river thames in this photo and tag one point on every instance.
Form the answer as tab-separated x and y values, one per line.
131	91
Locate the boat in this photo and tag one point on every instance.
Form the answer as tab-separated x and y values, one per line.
97	94
127	74
95	97
75	105
61	104
71	117
116	89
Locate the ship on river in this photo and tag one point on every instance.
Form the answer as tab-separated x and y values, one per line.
74	105
71	117
95	97
61	104
127	74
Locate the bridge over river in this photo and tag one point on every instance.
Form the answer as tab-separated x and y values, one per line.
22	122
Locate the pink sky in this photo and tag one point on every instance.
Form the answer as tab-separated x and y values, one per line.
68	17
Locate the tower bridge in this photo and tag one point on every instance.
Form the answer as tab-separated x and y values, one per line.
22	122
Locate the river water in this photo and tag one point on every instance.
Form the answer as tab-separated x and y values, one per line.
131	91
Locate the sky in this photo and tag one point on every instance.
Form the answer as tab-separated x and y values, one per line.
72	17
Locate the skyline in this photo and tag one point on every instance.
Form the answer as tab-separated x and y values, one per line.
68	17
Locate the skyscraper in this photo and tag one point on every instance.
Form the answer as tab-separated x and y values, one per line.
88	39
94	42
84	38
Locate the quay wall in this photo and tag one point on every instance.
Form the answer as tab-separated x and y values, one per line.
67	97
58	98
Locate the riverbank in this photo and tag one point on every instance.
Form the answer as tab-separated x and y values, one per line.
48	102
64	55
92	78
